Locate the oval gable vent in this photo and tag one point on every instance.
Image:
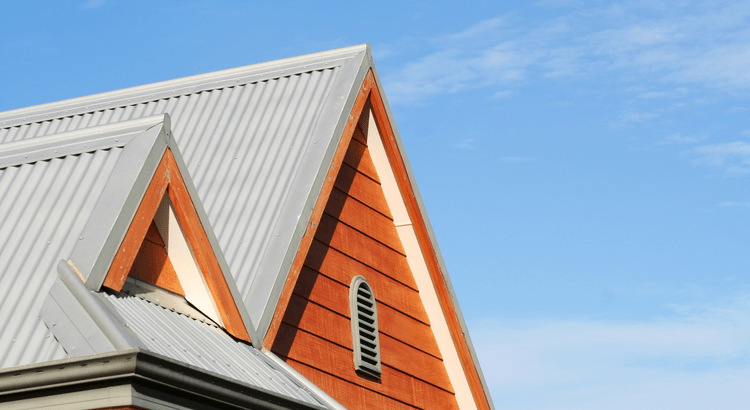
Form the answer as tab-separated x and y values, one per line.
364	322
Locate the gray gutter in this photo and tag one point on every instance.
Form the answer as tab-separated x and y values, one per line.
138	367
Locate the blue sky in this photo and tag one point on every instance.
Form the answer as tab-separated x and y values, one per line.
585	165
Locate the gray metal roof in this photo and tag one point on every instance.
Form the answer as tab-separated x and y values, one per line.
253	140
75	193
257	141
190	341
45	203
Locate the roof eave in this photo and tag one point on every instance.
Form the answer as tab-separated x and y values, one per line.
168	378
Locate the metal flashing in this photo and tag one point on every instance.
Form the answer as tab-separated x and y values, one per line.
319	154
75	142
182	86
303	382
116	206
85	318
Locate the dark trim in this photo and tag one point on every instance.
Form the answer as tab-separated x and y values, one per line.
143	370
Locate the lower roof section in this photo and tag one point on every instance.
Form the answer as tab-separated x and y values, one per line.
196	343
131	378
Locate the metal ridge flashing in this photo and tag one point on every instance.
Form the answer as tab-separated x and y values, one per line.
136	366
112	329
181	86
76	142
303	382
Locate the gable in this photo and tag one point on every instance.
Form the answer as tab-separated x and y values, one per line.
357	237
380	185
167	211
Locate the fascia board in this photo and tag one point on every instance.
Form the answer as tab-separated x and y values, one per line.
214	242
431	233
118	203
181	86
74	142
316	160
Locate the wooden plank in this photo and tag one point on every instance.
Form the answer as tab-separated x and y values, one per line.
359	135
320	204
372	253
342	268
334	328
203	252
358	157
334	296
153	265
330	358
349	395
431	397
364	189
364	219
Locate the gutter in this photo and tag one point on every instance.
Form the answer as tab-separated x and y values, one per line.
138	367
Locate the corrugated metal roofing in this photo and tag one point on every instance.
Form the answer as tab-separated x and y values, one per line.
199	344
44	206
249	137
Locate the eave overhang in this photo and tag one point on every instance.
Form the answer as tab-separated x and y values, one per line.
152	378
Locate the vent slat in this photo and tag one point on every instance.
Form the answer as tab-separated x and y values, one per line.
364	322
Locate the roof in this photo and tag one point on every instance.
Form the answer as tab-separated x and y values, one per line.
256	142
74	194
256	175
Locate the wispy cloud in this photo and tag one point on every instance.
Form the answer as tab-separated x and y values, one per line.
92	4
687	44
678	139
733	204
695	360
467	144
516	160
733	156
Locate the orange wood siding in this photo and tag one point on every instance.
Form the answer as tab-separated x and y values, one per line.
168	180
152	264
356	236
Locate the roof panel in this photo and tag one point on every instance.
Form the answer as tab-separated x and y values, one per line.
208	347
44	207
248	138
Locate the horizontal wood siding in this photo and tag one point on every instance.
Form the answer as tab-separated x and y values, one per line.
356	236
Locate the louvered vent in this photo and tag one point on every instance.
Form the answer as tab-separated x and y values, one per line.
364	327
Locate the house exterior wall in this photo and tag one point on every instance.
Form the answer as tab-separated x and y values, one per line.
357	236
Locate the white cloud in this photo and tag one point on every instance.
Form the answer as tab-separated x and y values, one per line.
698	359
734	204
92	4
734	156
684	45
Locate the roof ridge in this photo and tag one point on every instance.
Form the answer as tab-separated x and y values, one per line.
75	142
186	85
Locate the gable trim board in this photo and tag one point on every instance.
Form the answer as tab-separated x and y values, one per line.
416	235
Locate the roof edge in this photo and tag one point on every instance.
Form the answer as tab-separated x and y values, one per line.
116	206
76	142
138	366
431	236
185	85
348	85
